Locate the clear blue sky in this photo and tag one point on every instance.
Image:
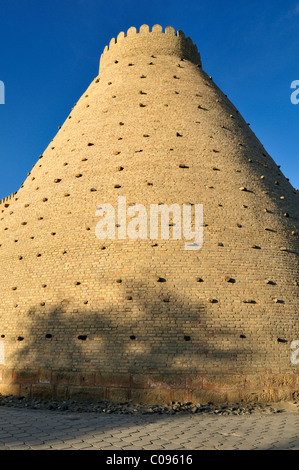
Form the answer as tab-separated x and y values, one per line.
50	51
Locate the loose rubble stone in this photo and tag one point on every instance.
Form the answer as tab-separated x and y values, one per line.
171	408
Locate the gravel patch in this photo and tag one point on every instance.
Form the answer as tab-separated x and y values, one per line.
172	408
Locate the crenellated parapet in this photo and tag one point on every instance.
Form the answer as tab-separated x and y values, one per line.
154	42
5	201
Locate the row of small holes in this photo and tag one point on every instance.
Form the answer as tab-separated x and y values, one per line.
133	337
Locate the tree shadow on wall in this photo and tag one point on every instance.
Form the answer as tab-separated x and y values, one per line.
149	330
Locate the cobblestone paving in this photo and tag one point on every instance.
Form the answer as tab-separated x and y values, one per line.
26	429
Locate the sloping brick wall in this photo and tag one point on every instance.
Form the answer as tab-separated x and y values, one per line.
85	317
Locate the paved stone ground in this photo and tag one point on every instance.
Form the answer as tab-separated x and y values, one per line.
29	429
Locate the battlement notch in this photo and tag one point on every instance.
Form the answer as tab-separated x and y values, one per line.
154	42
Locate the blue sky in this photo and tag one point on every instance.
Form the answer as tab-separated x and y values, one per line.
50	52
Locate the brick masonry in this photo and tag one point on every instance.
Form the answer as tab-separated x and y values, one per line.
81	317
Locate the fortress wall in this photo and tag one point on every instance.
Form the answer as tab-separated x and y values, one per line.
82	317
